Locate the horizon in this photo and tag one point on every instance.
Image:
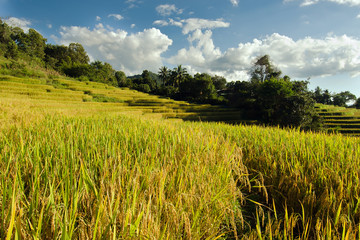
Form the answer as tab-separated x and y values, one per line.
304	38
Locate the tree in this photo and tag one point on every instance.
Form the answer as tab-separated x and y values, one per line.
263	70
327	97
199	88
286	103
11	50
317	94
5	32
56	56
144	88
178	75
341	99
357	103
271	94
121	79
322	96
32	43
147	79
7	45
219	82
164	74
103	72
243	94
78	70
77	53
299	110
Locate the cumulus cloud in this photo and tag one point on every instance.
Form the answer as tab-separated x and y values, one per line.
192	24
200	51
18	22
168	9
234	2
344	2
116	16
303	58
131	53
98	18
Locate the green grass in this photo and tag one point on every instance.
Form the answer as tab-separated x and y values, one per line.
340	119
74	169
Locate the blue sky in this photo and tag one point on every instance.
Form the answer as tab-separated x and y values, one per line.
316	39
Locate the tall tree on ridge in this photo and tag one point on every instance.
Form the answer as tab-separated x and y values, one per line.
263	70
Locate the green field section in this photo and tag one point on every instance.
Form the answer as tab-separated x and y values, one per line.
83	160
88	97
340	119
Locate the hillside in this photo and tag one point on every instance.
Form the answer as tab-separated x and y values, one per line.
83	160
78	98
340	119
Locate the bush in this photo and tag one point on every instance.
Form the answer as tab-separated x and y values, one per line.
144	88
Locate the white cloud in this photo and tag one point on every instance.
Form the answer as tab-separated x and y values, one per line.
347	2
175	23
192	24
49	26
98	18
18	22
344	2
303	58
116	16
358	16
200	51
133	25
234	2
131	53
161	23
167	9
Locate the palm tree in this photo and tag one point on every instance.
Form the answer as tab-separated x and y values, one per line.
179	74
164	74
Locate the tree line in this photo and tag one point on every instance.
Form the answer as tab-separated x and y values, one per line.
269	96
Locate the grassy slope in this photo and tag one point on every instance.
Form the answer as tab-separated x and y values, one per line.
340	119
85	97
75	168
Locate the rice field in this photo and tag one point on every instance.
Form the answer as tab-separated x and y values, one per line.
340	119
122	168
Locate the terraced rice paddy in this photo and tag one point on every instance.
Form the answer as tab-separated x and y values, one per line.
340	119
89	161
47	93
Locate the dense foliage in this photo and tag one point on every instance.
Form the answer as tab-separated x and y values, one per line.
275	101
337	99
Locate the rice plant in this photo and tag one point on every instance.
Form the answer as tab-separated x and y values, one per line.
92	170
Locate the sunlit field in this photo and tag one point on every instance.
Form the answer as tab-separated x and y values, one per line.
340	119
83	160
